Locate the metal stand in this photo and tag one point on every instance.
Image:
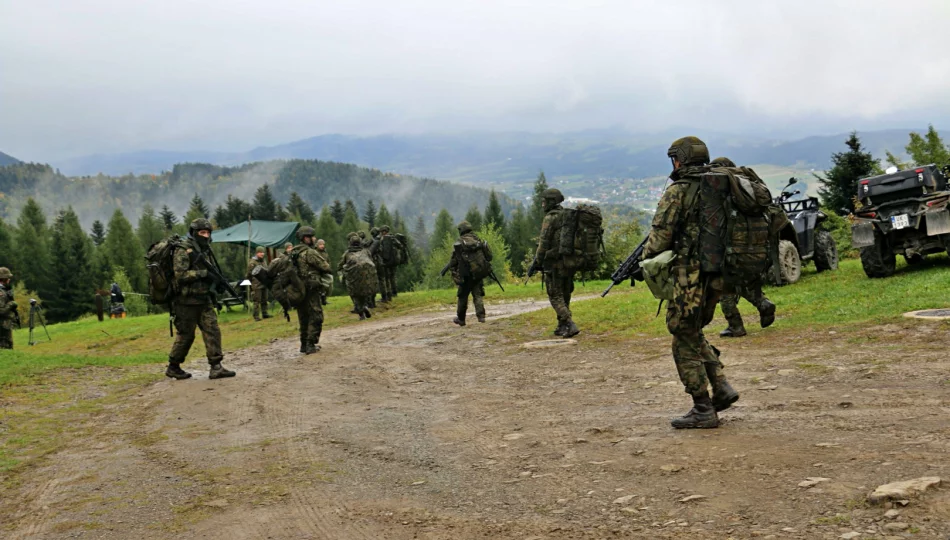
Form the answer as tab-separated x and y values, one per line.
36	314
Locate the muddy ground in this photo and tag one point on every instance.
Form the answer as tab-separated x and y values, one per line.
414	428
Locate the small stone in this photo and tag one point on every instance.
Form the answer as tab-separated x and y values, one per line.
513	436
671	468
896	526
217	503
525	473
562	501
813	481
419	482
768	387
785	372
850	535
828	445
902	490
624	500
692	498
629	510
891	514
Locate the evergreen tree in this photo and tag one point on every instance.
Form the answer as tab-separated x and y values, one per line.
198	206
399	225
383	217
370	214
474	218
928	149
840	183
519	236
7	249
337	211
169	220
98	234
350	206
123	249
419	235
444	227
536	215
299	208
32	249
71	258
150	228
351	223
493	213
327	228
233	211
264	206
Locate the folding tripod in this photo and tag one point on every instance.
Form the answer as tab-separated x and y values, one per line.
36	314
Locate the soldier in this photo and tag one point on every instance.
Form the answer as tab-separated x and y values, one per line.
8	309
192	305
258	290
376	250
328	278
359	273
558	280
278	265
462	273
695	294
311	266
362	235
752	292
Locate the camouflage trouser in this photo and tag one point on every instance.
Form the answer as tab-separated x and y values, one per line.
389	275
693	307
187	318
360	302
6	337
259	296
477	290
310	315
383	281
560	285
729	303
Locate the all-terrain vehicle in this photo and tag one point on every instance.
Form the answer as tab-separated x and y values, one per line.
901	212
803	239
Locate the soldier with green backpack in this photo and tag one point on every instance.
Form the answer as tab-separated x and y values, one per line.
470	265
359	275
309	266
391	253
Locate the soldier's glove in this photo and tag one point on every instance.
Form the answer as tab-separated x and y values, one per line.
202	273
638	275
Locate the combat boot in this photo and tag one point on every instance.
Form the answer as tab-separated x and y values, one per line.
303	346
256	318
559	331
266	316
219	372
733	331
362	315
481	318
766	313
701	416
724	395
460	322
369	315
570	329
175	372
312	348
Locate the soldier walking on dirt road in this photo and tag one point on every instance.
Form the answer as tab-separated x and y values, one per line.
558	280
470	264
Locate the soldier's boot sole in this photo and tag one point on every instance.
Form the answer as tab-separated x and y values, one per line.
571	330
178	374
219	372
767	314
368	314
724	396
732	332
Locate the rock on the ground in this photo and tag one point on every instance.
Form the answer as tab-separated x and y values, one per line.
902	490
624	500
897	526
850	535
891	514
813	481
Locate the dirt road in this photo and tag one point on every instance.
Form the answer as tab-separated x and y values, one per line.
413	428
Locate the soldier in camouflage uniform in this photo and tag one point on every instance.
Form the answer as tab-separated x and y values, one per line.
278	265
695	294
558	280
311	266
8	309
360	278
752	292
258	290
192	306
376	250
328	278
466	284
389	267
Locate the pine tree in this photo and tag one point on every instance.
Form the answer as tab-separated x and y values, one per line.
928	149
493	213
32	249
264	206
536	215
233	211
149	228
71	253
351	223
169	220
98	234
350	206
840	183
419	235
327	228
399	225
299	208
7	248
337	211
198	206
474	218
123	249
444	228
370	214
519	236
383	217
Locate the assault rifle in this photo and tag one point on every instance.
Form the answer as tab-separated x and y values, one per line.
628	269
491	274
445	268
533	269
218	281
16	317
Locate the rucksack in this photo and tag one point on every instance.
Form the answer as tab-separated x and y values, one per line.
734	224
360	274
403	248
160	264
291	286
582	238
389	250
473	256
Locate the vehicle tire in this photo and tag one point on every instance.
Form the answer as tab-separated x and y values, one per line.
914	260
878	260
790	263
826	251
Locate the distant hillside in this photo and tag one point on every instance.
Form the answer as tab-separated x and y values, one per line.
506	158
6	159
317	182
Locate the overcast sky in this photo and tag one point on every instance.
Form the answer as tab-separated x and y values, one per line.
90	76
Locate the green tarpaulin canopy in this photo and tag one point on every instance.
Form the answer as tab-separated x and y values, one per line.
272	234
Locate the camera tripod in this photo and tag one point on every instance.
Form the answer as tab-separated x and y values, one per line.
36	314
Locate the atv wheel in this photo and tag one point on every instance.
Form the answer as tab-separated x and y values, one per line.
878	260
826	251
789	263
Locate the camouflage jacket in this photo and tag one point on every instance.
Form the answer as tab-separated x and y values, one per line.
7	310
194	285
311	264
548	239
676	222
251	265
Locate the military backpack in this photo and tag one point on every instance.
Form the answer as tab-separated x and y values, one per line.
581	244
390	250
360	274
287	283
160	264
403	254
473	257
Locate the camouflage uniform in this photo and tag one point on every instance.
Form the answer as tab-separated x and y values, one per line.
192	307
558	280
466	284
311	266
8	310
360	291
695	295
258	290
278	265
375	249
389	270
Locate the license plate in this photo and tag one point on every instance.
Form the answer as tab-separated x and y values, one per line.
900	222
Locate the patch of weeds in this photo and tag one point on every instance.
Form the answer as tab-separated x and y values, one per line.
837	519
814	368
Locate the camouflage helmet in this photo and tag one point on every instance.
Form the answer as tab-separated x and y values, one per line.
361	234
201	224
384	228
722	162
464	227
355	240
288	245
260	249
304	232
374	232
553	194
5	273
689	151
